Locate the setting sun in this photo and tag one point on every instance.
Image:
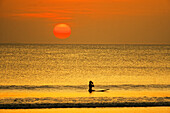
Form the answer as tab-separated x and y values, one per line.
62	31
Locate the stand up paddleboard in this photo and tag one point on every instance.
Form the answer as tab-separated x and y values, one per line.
101	90
98	90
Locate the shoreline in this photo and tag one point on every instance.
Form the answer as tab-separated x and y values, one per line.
82	105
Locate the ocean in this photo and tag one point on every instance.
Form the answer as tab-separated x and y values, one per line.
57	75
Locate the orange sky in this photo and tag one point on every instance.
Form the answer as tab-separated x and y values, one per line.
91	21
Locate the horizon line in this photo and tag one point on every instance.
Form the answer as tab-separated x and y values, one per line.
90	44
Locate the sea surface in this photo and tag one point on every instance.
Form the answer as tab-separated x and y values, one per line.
57	76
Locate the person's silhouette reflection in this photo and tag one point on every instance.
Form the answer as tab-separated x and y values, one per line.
90	86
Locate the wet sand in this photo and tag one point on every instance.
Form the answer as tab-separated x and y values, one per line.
92	110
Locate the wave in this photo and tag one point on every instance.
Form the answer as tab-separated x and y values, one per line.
34	87
81	105
79	102
82	87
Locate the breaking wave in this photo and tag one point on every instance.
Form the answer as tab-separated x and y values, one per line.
78	102
82	87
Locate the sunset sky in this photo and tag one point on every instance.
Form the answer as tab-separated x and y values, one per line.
91	21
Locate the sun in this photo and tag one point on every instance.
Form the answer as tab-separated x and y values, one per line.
62	31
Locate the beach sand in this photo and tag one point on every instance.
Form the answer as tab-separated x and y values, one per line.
92	110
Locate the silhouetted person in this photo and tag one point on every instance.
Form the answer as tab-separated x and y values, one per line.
90	86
